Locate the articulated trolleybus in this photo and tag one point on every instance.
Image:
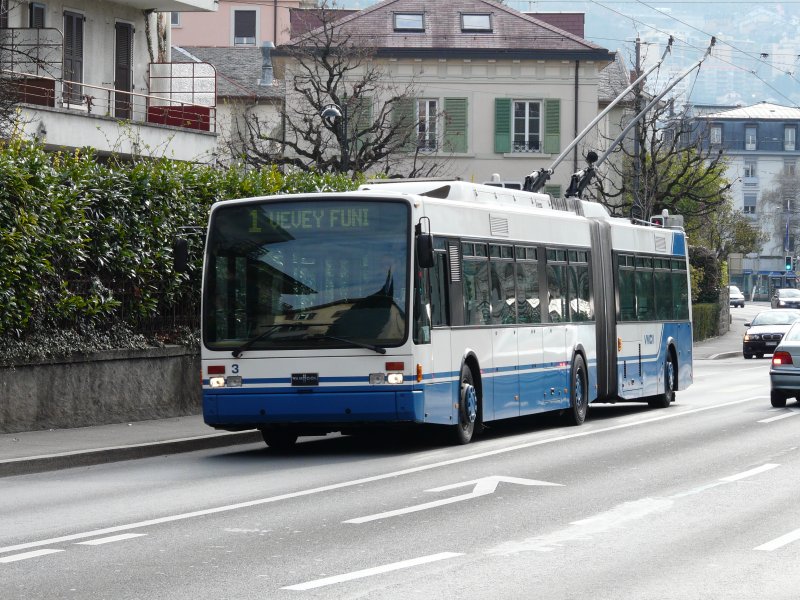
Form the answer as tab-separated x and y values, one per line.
429	302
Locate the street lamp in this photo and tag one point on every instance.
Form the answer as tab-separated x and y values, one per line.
330	113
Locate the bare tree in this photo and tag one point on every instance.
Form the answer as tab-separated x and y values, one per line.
675	170
370	121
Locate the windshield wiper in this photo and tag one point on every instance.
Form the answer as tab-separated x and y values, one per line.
372	347
237	352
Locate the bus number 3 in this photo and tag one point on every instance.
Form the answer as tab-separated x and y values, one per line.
234	369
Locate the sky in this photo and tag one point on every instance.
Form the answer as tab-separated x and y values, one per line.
756	57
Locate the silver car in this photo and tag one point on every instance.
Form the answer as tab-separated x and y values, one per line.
784	374
786	298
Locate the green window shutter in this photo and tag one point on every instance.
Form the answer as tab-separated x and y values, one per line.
502	124
455	124
553	190
360	120
552	126
403	119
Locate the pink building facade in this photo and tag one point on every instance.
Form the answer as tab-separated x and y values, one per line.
235	24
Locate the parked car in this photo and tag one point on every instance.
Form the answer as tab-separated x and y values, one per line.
784	374
766	330
785	298
736	296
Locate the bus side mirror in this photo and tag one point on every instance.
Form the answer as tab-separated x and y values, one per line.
180	255
425	250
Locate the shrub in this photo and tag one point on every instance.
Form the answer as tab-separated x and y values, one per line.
705	321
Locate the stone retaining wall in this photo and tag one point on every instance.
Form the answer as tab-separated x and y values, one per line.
105	387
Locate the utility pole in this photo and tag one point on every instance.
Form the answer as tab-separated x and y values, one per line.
637	165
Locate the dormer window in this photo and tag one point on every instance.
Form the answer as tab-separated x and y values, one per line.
409	22
476	22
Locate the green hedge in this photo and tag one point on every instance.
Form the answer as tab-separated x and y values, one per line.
87	244
705	321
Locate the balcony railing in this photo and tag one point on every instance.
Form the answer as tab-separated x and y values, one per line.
108	102
180	94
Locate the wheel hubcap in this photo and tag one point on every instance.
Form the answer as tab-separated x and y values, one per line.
579	391
470	398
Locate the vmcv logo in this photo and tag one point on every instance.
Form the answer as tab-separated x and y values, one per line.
649	338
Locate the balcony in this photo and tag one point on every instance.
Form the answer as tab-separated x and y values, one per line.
177	116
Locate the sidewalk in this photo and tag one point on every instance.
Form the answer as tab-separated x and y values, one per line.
36	451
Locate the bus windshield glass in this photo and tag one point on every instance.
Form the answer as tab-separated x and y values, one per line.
311	274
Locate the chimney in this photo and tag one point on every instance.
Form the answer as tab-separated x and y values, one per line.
267	75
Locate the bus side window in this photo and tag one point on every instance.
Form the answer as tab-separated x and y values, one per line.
477	303
627	296
440	301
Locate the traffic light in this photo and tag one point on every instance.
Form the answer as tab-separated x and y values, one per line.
788	263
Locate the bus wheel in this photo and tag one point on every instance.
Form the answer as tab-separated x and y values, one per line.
668	397
279	439
579	392
467	408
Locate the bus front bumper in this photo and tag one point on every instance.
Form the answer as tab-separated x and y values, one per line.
242	409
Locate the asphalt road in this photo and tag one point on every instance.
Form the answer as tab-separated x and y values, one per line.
695	501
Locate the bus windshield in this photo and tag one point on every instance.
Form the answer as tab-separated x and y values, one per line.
307	274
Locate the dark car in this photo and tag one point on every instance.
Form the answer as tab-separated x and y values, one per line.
786	298
766	330
784	374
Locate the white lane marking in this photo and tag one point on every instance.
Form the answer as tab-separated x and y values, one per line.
111	539
483	487
792	412
362	481
404	564
780	542
750	473
27	555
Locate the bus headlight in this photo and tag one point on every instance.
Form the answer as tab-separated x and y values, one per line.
394	378
217	382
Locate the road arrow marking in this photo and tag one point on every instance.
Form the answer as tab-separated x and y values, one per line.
483	487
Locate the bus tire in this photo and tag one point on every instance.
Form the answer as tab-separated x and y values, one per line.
279	439
467	408
670	374
578	392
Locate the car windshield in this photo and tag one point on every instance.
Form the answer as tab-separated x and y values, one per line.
776	317
789	293
734	290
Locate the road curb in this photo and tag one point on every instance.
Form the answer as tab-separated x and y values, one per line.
96	456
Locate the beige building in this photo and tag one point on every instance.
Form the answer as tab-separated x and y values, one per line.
496	90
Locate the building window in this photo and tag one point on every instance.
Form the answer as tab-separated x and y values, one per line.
750	170
749	205
3	14
36	15
175	19
476	22
244	28
789	135
716	135
750	137
426	124
409	22
790	167
527	126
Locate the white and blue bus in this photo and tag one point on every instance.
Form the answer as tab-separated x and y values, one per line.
435	303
